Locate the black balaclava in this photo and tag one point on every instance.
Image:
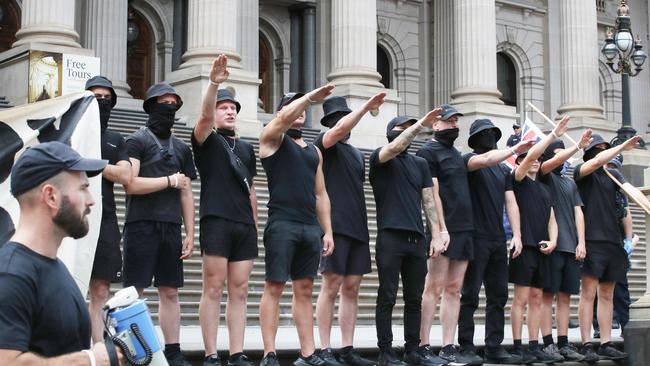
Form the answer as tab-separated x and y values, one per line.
161	119
485	142
447	137
591	153
226	132
294	133
105	107
392	135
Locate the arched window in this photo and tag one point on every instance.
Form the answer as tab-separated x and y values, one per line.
265	71
140	54
507	79
9	24
383	67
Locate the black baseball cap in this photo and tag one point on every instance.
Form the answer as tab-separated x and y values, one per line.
225	95
549	152
102	82
448	111
288	98
158	90
515	126
398	121
43	161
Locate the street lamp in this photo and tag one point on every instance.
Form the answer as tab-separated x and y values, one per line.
630	59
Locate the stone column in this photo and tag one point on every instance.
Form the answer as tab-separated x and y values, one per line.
579	59
48	21
308	54
443	50
105	28
249	41
295	46
212	29
474	36
354	43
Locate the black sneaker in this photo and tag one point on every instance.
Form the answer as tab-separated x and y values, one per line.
469	357
212	360
590	354
177	359
313	360
239	360
270	360
427	352
609	352
554	352
502	357
526	357
388	358
353	358
541	356
571	353
422	357
449	353
328	356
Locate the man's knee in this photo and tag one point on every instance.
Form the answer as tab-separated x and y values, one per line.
168	294
273	289
99	291
350	290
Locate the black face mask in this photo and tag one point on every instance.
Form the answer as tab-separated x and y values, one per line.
591	153
484	143
392	135
447	137
226	132
294	134
105	107
161	119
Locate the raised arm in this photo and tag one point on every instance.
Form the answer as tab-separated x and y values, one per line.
271	136
565	154
347	123
512	210
494	157
405	138
604	157
536	151
218	74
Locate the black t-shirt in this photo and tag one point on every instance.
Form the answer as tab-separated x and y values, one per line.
344	171
397	186
113	149
222	195
564	193
446	164
487	189
513	140
598	193
535	202
165	205
41	307
291	173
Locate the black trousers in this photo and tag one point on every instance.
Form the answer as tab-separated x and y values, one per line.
489	267
398	253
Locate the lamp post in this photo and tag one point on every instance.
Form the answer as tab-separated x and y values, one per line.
631	57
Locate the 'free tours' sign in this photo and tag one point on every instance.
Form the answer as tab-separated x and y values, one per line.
53	74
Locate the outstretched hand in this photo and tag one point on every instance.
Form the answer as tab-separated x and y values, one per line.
585	139
319	94
561	127
375	102
219	72
430	118
631	143
523	146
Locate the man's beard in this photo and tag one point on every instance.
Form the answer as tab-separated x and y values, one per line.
76	226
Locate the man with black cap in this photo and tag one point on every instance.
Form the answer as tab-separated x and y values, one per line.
344	171
515	138
160	199
538	240
446	272
228	233
107	266
402	186
491	190
606	261
563	264
299	215
43	315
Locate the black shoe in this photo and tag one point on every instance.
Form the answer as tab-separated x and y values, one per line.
239	360
313	360
388	358
571	353
526	357
449	353
542	356
616	324
327	354
177	359
502	357
590	354
212	360
270	360
609	352
423	356
353	358
469	357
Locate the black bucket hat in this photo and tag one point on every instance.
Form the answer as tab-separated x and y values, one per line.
549	151
288	98
334	108
225	95
479	126
398	121
103	82
597	140
158	90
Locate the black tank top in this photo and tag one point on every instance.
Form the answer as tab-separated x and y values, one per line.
291	173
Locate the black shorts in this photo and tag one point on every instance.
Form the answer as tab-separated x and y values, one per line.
350	257
107	265
292	250
152	249
562	273
528	268
606	261
229	239
461	246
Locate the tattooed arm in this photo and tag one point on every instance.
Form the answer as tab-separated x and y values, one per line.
437	244
403	141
